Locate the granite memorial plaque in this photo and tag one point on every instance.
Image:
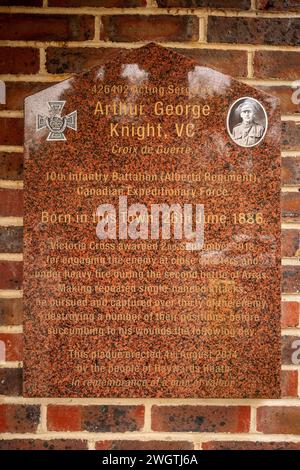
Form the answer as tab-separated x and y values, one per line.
152	233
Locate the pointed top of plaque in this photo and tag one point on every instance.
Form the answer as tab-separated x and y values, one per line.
135	65
134	71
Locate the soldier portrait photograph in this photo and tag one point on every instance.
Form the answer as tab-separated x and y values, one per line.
247	122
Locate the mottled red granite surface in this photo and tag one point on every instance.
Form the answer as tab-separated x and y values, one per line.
222	366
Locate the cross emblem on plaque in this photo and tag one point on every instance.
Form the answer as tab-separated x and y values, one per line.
56	123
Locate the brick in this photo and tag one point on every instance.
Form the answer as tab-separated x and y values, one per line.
144	445
39	444
11	383
97	3
289	383
290	350
247	445
63	418
233	63
290	314
233	4
278	419
276	64
134	28
278	5
290	279
11	239
95	418
21	3
11	131
11	275
75	60
11	166
112	418
19	60
16	92
238	30
11	311
290	170
201	418
19	418
290	204
11	203
290	243
286	96
28	27
290	135
13	346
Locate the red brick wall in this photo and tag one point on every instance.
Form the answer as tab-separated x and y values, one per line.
43	42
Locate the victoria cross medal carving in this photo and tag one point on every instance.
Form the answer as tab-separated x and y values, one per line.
56	123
